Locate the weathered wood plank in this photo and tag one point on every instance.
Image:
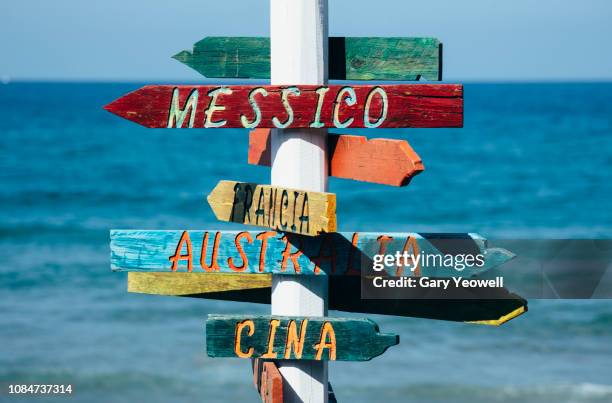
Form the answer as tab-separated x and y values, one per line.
344	295
283	209
271	384
268	381
272	252
301	106
299	338
374	58
160	284
384	161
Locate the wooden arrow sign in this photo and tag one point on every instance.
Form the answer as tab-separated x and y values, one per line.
280	337
393	59
302	106
492	309
290	210
223	286
268	381
336	254
384	161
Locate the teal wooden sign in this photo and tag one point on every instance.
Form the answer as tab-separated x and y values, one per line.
295	338
397	59
256	252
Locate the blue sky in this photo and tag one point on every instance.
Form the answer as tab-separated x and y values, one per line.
486	40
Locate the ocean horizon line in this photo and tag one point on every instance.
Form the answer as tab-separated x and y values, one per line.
236	81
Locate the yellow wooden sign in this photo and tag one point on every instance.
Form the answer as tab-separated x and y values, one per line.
282	209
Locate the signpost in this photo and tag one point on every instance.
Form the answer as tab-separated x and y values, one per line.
337	254
282	209
293	106
295	338
299	55
306	267
384	161
395	59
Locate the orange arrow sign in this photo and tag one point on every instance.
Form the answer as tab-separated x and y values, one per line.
385	161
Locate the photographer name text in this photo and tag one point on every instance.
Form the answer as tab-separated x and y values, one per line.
430	282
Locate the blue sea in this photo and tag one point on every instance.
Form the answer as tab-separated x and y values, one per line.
533	161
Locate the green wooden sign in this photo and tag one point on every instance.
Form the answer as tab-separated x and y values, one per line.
280	337
398	59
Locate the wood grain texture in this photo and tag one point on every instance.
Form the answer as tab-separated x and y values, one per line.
374	58
268	381
161	284
283	209
303	106
384	161
298	338
229	57
336	254
344	295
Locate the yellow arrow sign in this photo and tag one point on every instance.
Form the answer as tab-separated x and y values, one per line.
282	209
344	292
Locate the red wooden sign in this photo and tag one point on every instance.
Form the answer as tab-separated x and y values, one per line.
384	161
303	106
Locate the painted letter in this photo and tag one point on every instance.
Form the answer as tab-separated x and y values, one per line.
270	353
321	91
214	265
350	100
177	115
177	255
263	237
304	217
243	256
327	331
295	197
245	122
383	240
411	243
212	107
385	105
283	206
293	342
327	245
272	208
241	206
239	327
285	95
287	255
260	212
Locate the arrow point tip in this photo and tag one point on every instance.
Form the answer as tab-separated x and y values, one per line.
115	108
109	107
182	56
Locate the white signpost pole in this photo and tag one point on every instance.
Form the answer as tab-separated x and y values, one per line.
299	35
